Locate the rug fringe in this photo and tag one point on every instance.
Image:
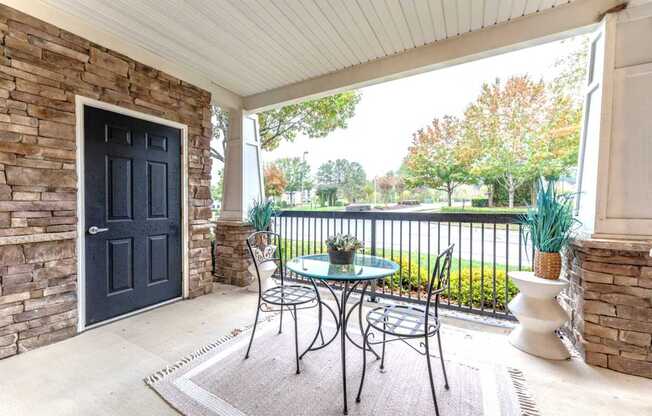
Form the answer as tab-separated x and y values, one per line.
170	369
526	401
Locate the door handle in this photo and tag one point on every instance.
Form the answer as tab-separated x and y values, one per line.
96	230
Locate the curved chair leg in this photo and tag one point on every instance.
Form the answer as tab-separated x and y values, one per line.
432	383
364	362
382	359
253	331
296	338
441	357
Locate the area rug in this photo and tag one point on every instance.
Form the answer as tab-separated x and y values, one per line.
217	381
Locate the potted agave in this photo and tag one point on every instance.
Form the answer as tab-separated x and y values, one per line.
549	226
342	248
260	218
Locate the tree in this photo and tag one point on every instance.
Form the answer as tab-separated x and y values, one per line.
502	126
386	184
347	178
217	186
297	174
572	70
436	159
220	121
275	182
314	118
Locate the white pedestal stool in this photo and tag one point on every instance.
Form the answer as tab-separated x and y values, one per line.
539	315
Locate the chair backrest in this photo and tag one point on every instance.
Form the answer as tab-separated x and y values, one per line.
265	247
440	277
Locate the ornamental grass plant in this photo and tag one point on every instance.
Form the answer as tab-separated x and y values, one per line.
550	225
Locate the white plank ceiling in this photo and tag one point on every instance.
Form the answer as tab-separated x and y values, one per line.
252	46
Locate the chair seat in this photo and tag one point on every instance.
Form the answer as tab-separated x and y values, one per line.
402	321
289	295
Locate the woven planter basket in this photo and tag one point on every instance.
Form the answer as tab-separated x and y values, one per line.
547	265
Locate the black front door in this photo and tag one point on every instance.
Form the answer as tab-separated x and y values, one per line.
132	213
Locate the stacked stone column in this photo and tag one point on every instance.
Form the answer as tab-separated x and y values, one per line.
610	304
232	257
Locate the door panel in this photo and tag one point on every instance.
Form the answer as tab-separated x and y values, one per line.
133	190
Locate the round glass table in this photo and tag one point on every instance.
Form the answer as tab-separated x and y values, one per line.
364	270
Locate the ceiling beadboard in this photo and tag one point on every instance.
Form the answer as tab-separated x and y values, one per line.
252	46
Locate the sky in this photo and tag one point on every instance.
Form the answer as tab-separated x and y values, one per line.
380	133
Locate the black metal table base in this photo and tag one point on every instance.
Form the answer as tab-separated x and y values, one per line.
341	320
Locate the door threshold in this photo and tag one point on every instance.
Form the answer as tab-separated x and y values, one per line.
130	314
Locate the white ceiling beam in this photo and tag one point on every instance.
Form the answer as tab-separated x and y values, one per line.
42	10
526	31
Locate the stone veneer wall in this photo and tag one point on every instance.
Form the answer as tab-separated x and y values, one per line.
231	253
41	70
610	304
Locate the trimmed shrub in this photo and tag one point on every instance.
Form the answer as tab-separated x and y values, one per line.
469	290
480	202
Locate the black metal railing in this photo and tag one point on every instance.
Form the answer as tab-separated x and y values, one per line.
487	247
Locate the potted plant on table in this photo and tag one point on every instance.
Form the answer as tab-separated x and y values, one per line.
549	226
260	218
342	248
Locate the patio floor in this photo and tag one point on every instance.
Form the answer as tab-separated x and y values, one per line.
100	372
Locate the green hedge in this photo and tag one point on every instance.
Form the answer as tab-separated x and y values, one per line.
480	202
476	291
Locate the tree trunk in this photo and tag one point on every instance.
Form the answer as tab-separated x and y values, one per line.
490	196
533	193
511	190
449	192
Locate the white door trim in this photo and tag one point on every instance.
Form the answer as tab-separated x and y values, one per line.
80	102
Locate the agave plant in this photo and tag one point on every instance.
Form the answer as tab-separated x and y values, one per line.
260	214
550	224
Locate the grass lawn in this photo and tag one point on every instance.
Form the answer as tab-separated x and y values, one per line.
474	210
312	208
294	249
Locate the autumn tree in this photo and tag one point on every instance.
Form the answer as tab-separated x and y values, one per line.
503	125
387	185
275	182
558	146
297	174
436	159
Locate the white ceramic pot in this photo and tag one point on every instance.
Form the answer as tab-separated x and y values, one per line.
266	270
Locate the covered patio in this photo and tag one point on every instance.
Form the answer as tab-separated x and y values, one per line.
104	376
107	286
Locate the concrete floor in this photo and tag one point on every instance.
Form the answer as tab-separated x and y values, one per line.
100	372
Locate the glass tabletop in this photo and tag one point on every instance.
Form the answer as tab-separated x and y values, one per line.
364	267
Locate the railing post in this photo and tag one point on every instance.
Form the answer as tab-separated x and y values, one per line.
372	296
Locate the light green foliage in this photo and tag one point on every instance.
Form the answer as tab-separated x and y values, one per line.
314	118
297	175
550	225
217	186
347	178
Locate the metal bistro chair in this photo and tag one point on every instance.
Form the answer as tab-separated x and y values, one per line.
265	247
407	322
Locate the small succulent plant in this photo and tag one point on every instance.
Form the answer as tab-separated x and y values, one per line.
343	242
